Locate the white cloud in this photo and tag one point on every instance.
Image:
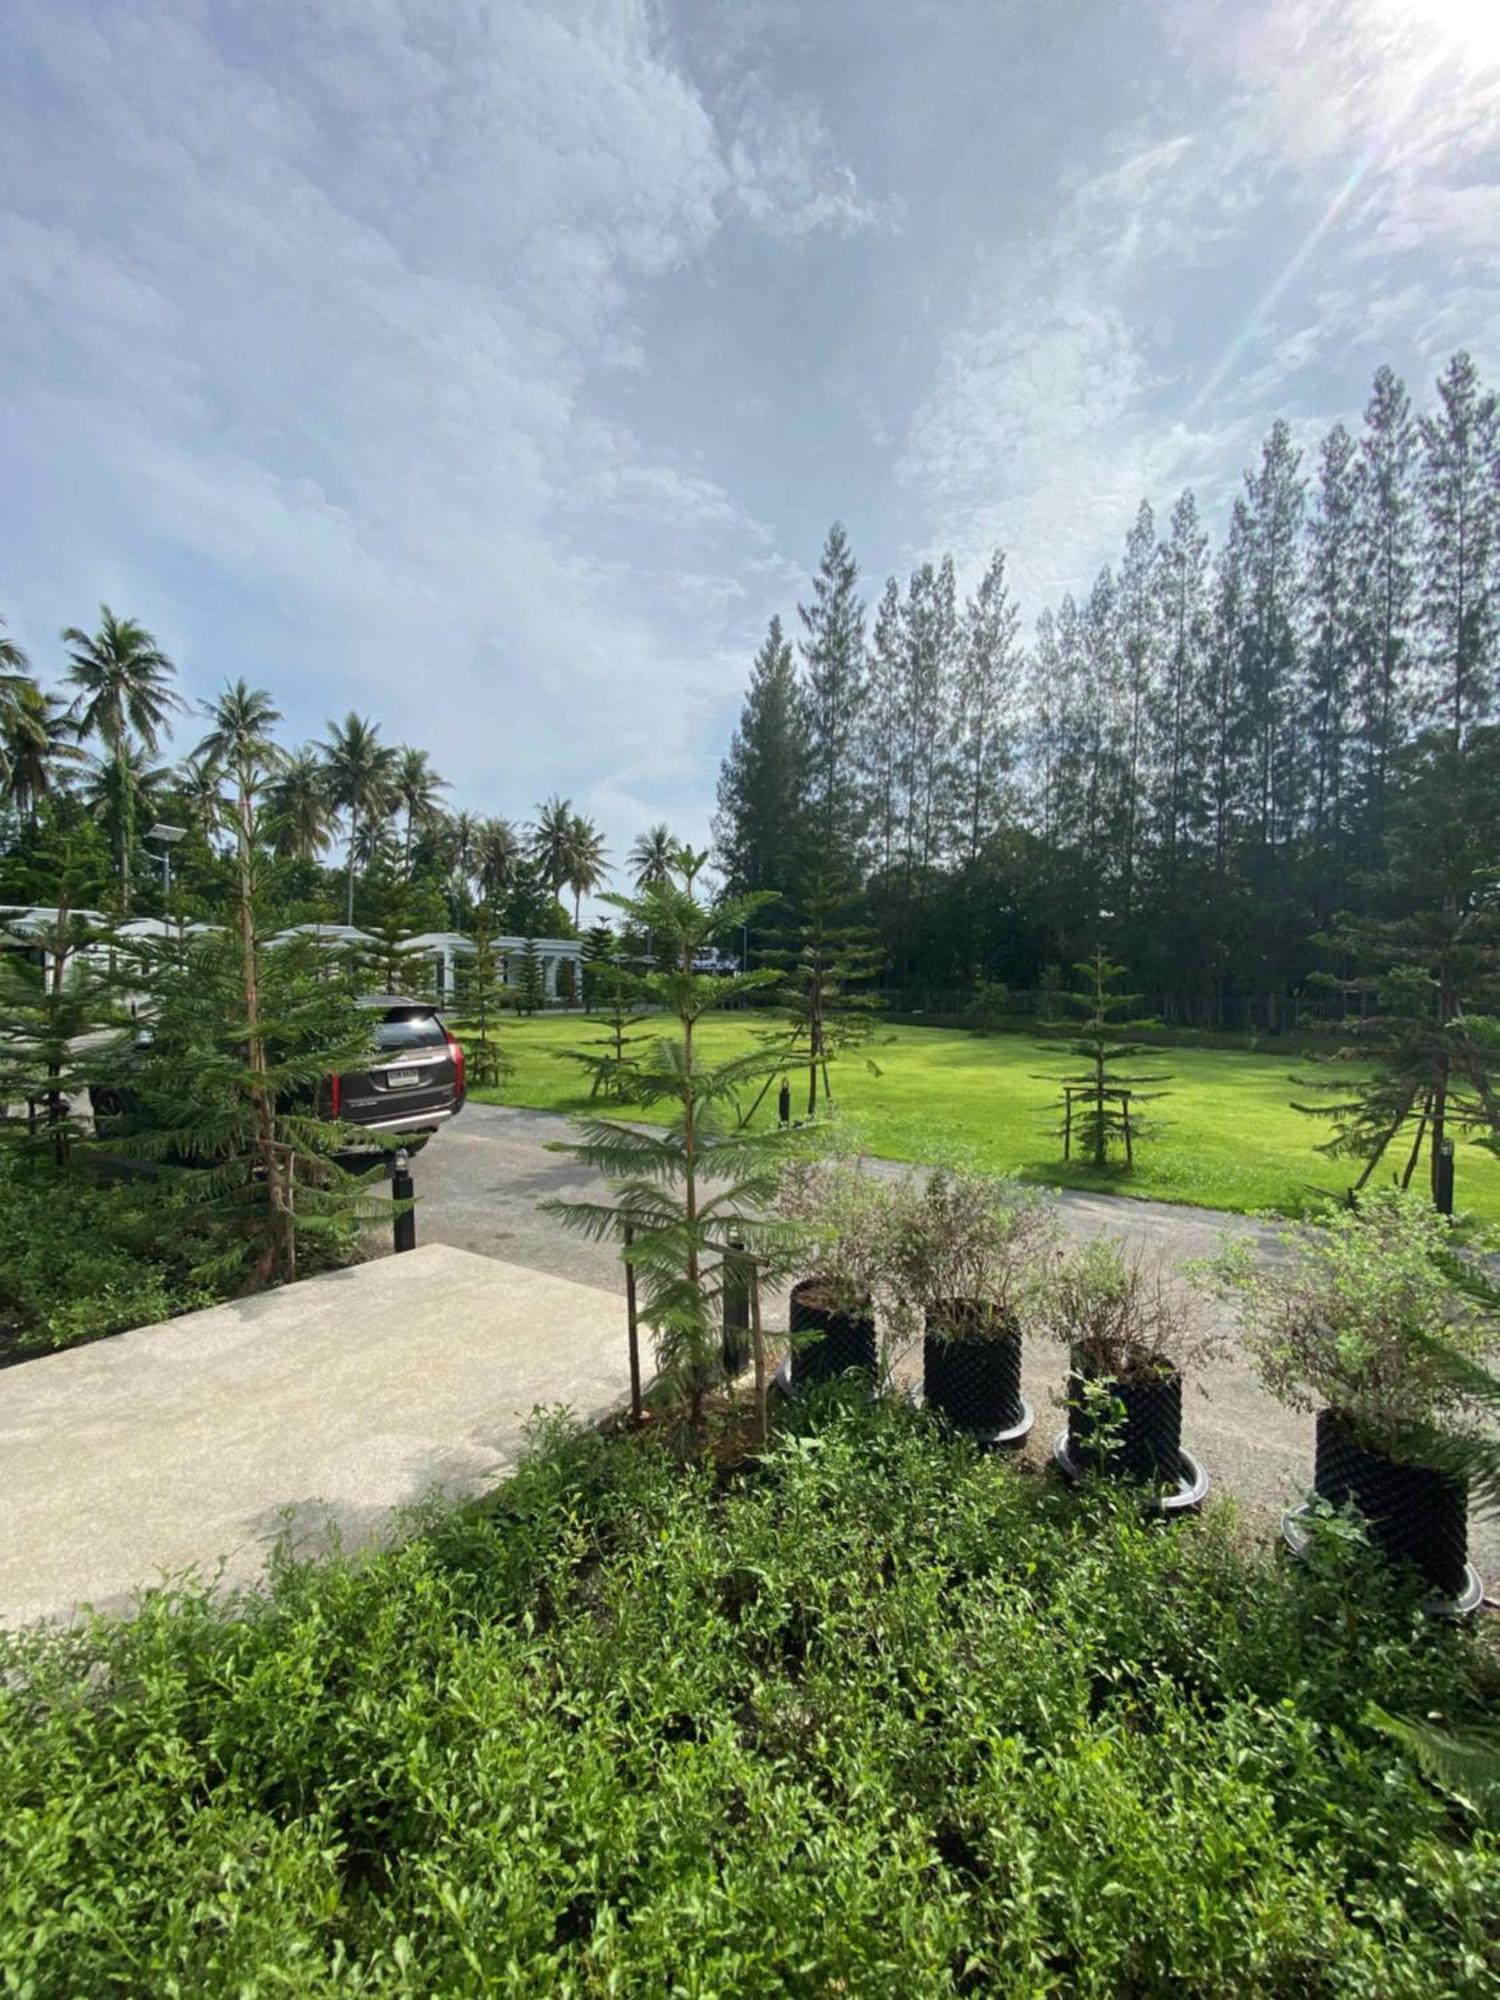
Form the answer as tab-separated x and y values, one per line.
322	288
788	179
479	363
1076	380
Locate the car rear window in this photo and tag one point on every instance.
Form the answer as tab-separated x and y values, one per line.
410	1031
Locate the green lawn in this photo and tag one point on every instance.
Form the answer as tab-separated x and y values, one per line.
1226	1134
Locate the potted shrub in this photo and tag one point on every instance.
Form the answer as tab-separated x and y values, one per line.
832	1311
1129	1331
964	1250
1358	1321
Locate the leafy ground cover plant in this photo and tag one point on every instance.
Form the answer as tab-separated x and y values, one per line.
876	1717
79	1260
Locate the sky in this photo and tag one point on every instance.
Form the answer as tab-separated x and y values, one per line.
496	369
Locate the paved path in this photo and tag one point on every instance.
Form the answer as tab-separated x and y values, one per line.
324	1405
480	1180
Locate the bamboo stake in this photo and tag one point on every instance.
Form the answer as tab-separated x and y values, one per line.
758	1350
633	1327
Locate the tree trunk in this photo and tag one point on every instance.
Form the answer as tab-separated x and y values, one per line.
690	1206
280	1258
126	810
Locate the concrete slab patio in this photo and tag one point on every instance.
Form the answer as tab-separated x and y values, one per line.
196	1442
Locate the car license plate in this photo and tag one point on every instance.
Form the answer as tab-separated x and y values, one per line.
405	1079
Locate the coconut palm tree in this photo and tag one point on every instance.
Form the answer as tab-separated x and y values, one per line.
15	669
453	838
550	840
37	745
375	845
417	788
586	862
240	742
299	811
198	783
497	850
120	785
15	682
124	691
651	856
361	780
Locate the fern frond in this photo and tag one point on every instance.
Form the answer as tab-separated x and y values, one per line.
1464	1763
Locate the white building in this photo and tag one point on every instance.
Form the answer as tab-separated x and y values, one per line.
25	927
443	955
446	952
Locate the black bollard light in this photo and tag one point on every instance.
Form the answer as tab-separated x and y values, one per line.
735	1346
404	1222
1442	1191
784	1103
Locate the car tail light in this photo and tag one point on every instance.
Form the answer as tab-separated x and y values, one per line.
456	1050
335	1095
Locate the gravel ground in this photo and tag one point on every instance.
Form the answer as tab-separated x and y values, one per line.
479	1182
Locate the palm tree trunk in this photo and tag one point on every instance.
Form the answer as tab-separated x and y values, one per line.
125	806
353	837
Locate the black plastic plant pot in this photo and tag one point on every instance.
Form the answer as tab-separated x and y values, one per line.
971	1370
832	1343
1412	1513
1145	1445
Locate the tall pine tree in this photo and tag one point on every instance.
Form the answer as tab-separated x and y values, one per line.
761	831
1387	585
1460	466
834	670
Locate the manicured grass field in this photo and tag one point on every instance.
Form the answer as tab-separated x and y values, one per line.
1225	1135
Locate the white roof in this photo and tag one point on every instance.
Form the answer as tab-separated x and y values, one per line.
327	933
438	941
456	941
163	927
38	917
554	945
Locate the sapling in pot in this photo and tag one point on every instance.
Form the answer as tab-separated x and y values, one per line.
1358	1321
833	1310
964	1254
1130	1330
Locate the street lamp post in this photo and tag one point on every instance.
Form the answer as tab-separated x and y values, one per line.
166	838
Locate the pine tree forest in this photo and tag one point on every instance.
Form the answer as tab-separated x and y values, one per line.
1196	764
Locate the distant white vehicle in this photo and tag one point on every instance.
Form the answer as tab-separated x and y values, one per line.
717	964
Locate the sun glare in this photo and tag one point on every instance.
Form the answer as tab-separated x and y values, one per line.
1470	28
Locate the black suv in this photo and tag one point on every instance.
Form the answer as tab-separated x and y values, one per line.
414	1083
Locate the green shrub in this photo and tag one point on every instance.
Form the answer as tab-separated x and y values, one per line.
880	1716
79	1259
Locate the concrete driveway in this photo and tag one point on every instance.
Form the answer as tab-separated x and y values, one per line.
313	1411
480	1180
